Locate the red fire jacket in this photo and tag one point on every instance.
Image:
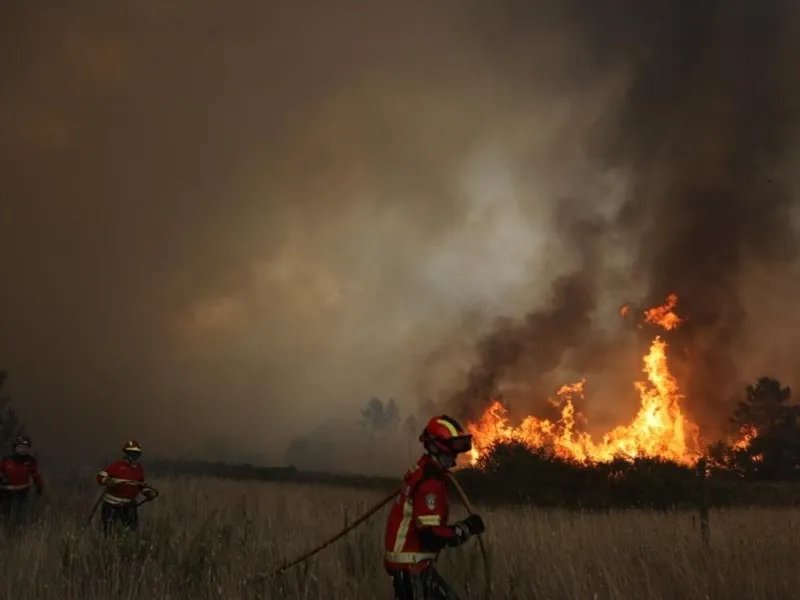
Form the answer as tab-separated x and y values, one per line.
124	482
417	526
18	473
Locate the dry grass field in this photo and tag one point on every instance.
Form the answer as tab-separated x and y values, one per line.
206	538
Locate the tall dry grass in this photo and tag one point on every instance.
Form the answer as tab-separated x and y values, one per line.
206	538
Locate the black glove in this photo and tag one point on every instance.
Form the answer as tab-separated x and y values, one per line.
474	524
462	534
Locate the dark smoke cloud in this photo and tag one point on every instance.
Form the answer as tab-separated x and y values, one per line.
708	124
226	224
536	344
706	130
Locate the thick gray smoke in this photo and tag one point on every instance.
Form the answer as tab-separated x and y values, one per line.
526	351
224	225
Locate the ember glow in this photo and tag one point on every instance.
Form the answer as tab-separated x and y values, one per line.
659	428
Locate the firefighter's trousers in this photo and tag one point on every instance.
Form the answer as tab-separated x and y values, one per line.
113	515
426	585
14	506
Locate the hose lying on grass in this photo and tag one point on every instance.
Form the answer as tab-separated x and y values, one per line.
339	535
366	516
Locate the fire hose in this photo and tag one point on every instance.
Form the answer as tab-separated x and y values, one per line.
370	513
486	567
338	536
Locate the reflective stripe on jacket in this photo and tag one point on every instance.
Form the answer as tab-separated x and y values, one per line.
421	505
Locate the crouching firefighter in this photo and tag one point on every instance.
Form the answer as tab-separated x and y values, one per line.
19	472
417	528
124	482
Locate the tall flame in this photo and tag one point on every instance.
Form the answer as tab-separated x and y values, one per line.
659	428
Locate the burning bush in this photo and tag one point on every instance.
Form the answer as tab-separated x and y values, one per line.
660	428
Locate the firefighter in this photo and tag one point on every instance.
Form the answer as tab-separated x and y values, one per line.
19	472
417	528
124	481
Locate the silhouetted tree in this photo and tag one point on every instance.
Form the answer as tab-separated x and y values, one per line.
765	406
774	452
379	418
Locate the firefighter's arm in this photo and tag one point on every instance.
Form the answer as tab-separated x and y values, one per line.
146	490
430	509
103	476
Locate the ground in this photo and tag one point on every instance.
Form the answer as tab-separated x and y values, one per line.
208	538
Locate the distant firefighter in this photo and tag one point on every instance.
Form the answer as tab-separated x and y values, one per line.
124	481
417	528
19	472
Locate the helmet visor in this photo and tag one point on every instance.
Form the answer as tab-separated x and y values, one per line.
460	443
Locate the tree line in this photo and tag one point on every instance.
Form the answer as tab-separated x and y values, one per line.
759	463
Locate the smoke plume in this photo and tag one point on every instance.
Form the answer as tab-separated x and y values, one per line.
705	132
224	225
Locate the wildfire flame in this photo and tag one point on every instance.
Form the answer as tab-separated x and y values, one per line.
659	428
747	434
664	315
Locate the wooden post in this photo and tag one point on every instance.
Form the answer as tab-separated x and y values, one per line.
705	522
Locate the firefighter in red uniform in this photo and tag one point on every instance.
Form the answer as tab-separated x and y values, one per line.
124	481
19	472
418	529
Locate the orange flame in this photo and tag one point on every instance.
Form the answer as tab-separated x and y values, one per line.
624	310
664	315
659	428
748	433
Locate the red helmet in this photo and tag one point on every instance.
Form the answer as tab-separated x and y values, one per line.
444	434
132	446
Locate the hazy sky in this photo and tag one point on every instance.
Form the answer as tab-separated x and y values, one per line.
242	219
